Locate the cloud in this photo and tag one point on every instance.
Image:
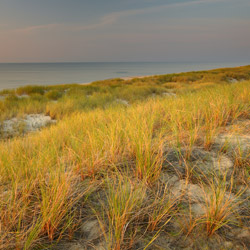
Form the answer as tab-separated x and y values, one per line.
113	17
37	27
106	20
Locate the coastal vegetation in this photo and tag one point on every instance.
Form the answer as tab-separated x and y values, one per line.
146	163
61	100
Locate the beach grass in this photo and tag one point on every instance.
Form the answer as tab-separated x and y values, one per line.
120	150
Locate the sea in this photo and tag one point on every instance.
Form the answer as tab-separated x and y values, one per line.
14	75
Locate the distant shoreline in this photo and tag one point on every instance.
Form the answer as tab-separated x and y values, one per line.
132	77
126	78
13	76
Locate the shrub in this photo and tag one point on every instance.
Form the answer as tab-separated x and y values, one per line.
30	90
53	94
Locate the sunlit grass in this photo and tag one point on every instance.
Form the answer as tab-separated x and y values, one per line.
44	175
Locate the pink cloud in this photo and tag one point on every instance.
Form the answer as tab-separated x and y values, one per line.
111	18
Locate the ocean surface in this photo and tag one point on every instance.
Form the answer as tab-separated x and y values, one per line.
13	75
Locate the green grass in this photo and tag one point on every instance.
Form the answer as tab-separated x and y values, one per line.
74	97
46	176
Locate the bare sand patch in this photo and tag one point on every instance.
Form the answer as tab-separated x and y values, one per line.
29	123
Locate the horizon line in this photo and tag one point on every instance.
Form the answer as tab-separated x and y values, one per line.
179	61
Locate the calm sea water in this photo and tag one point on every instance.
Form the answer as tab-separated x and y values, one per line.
13	75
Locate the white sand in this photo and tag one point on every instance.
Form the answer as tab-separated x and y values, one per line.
126	78
29	123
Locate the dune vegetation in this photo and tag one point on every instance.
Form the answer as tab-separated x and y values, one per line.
161	162
62	100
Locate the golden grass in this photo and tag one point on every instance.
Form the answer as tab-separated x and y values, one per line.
222	206
44	175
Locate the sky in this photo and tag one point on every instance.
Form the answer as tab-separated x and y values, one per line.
124	30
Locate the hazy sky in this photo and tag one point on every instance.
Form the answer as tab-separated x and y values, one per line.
124	30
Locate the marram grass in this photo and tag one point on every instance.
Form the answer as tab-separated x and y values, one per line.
46	175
